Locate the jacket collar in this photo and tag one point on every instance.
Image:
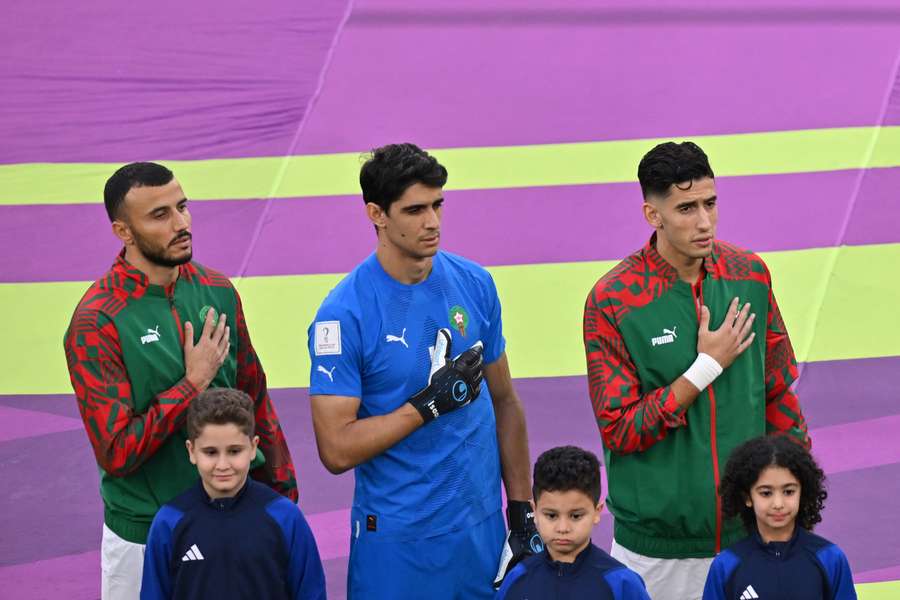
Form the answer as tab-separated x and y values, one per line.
666	271
565	569
224	504
779	549
125	269
140	282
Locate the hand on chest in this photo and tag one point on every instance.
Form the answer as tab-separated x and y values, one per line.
399	355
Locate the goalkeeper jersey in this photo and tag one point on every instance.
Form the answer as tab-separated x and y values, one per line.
372	339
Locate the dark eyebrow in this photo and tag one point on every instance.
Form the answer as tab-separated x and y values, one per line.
423	204
693	202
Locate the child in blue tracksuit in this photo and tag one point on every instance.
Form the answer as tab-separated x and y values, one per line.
567	506
229	536
777	489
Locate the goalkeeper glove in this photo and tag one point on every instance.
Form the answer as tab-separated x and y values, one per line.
451	383
522	540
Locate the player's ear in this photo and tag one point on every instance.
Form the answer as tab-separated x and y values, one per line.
652	214
376	215
254	442
190	449
122	231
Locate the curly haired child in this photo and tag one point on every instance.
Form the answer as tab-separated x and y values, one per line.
778	490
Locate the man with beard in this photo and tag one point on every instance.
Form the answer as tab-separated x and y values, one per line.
144	341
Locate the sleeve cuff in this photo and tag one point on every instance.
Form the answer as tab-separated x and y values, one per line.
673	411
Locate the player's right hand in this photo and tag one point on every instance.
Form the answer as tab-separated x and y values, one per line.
727	342
452	383
202	361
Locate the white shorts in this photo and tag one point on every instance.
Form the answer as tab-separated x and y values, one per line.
666	578
121	565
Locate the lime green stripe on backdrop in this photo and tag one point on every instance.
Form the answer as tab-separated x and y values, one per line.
470	168
884	590
542	309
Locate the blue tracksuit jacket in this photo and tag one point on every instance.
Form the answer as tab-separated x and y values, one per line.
255	545
807	567
594	574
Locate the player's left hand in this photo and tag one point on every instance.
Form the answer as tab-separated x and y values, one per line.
522	540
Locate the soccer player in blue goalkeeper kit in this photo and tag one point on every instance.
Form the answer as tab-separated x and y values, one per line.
429	443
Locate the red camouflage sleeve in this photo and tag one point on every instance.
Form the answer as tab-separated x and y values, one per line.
278	471
121	439
629	421
783	414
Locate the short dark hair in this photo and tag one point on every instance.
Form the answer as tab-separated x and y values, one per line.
220	406
567	468
132	175
390	170
750	459
672	164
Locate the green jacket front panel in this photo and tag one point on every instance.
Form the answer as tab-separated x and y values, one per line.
663	462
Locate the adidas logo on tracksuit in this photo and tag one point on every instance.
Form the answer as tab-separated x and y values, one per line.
193	553
749	593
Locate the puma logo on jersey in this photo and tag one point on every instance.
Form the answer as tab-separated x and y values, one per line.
330	373
401	338
152	336
667	337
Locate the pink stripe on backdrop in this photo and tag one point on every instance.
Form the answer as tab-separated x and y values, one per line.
16	423
548	224
74	577
477	75
858	445
332	532
886	574
87	81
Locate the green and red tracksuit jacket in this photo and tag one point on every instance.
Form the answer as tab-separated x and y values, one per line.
125	352
663	462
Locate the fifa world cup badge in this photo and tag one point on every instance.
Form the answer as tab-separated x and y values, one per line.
459	318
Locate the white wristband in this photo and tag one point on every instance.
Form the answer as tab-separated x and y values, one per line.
703	372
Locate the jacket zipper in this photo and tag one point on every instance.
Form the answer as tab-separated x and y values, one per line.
698	299
171	298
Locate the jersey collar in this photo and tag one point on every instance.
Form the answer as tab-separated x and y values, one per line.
565	569
139	283
666	271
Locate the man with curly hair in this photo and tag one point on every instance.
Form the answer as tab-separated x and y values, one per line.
687	358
